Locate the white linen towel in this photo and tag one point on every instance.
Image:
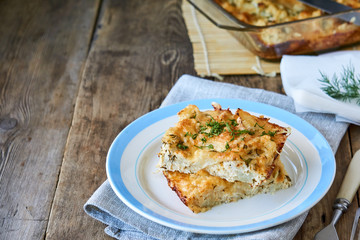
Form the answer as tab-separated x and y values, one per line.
300	76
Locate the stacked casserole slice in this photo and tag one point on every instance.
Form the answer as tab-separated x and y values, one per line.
215	157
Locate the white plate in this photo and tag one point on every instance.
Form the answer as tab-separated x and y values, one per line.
131	169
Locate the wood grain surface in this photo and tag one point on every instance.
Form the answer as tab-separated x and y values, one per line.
43	46
73	74
130	69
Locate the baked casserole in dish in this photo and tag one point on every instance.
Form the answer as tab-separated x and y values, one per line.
271	29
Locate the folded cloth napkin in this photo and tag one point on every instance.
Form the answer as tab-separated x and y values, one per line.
301	74
123	223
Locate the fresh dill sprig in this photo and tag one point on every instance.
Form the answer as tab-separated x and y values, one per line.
344	88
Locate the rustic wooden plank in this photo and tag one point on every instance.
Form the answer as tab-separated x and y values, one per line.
43	46
273	84
321	214
355	138
129	71
355	146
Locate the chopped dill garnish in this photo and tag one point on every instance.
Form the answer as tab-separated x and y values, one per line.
233	122
256	124
228	128
202	129
216	128
270	133
210	146
227	146
181	146
193	136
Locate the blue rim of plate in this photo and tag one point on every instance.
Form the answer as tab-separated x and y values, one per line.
328	166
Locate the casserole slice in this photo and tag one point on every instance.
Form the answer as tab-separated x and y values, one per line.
235	147
201	191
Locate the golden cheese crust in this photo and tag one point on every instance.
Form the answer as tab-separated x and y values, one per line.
201	191
235	147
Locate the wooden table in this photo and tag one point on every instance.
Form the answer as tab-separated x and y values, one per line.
73	74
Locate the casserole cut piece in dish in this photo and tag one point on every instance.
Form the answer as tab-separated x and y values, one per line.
271	29
268	12
235	147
